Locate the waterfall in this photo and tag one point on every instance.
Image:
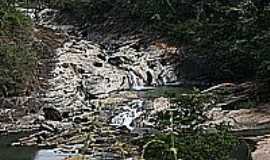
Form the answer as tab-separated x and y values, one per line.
130	113
135	82
163	76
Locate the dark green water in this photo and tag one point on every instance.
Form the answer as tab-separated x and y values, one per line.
8	152
165	91
15	153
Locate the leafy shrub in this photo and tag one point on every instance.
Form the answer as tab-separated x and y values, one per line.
187	110
17	55
16	68
198	146
183	137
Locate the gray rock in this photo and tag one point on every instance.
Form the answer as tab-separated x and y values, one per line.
51	113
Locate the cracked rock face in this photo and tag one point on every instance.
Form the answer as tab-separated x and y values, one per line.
81	75
85	70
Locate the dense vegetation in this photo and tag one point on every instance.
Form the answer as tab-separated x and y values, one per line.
183	136
17	54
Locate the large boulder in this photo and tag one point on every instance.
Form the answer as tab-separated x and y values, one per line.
51	113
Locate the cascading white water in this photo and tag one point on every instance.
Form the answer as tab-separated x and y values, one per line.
160	77
130	113
135	82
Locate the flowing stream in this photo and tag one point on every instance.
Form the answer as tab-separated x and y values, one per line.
9	152
15	153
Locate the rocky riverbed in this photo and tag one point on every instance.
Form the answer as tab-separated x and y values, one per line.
89	100
91	97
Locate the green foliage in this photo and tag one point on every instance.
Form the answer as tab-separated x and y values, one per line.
187	110
197	146
149	8
263	81
182	135
226	40
13	22
85	10
16	68
17	54
223	36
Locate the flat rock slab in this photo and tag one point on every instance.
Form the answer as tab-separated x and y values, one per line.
262	151
246	120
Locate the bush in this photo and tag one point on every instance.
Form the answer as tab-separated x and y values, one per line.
17	55
183	137
199	146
